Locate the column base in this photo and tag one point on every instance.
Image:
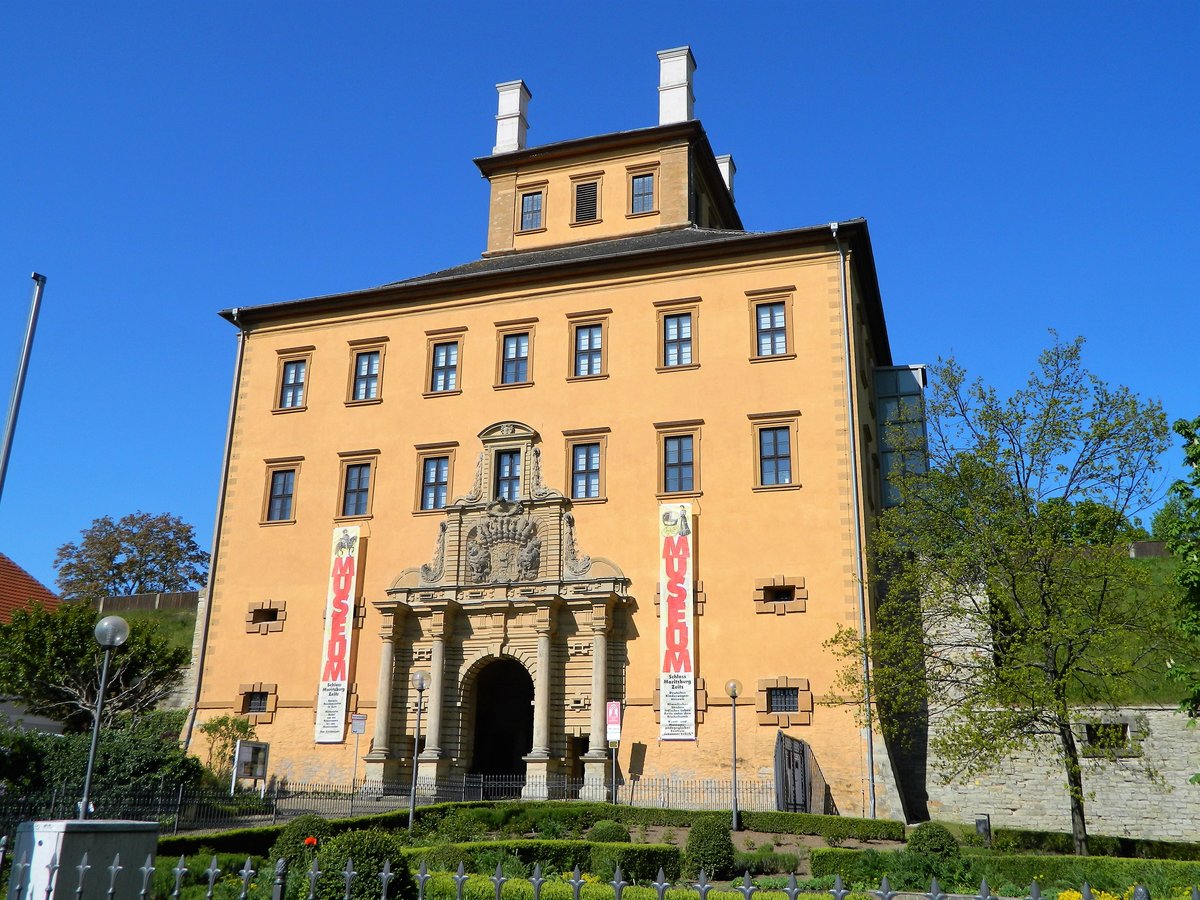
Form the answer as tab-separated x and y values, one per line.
537	778
379	769
431	771
595	778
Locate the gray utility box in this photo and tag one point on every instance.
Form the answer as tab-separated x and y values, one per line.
47	858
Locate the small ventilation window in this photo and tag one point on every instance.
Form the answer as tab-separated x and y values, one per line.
586	209
785	699
780	593
260	616
256	702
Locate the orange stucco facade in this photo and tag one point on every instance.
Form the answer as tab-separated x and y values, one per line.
777	542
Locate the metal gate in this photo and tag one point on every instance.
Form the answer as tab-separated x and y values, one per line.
799	784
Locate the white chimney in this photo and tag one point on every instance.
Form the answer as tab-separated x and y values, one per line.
511	124
728	170
675	70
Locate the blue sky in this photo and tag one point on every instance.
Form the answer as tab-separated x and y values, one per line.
1022	167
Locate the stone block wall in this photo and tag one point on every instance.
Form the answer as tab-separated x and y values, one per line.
1144	796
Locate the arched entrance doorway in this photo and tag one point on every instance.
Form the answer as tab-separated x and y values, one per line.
503	718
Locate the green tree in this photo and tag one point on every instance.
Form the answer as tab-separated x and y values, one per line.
140	554
1005	589
133	754
50	662
222	734
1181	530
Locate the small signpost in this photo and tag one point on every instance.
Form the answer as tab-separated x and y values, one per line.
358	725
612	731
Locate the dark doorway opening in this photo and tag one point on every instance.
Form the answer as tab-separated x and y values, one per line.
503	718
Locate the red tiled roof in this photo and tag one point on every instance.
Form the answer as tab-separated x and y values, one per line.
18	589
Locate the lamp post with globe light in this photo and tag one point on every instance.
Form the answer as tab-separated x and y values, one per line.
420	681
111	632
733	688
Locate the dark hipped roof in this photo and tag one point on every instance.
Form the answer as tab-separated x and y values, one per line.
685	244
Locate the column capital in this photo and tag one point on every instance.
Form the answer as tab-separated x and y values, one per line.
546	615
441	619
391	616
602	618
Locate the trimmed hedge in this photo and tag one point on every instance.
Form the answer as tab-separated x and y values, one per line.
1051	872
571	817
1018	839
637	861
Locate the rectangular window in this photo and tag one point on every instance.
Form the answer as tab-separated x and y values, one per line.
508	474
435	482
678	464
587	206
771	328
677	340
774	456
445	367
589	359
642	193
283	489
366	376
783	699
531	211
356	490
255	702
515	366
585	471
291	392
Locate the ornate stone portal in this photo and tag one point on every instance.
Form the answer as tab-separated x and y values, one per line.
506	580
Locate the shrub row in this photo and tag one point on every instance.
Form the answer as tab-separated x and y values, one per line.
639	862
1016	839
547	816
1054	872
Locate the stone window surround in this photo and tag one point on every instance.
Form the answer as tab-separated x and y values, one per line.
574	437
783	719
789	419
596	177
583	319
433	337
507	328
356	458
766	604
365	345
270	625
281	464
664	308
424	452
270	689
756	298
1137	730
290	355
680	428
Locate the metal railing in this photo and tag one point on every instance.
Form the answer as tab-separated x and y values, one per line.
179	809
21	882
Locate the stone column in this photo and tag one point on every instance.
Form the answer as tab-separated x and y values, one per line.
537	763
378	759
595	762
432	764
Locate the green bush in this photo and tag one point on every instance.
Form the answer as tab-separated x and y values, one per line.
291	841
368	850
709	848
606	831
765	861
1018	840
462	825
638	862
932	839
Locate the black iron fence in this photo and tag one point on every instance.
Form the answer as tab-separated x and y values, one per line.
178	809
128	879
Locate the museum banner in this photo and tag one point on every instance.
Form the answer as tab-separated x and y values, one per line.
677	676
334	688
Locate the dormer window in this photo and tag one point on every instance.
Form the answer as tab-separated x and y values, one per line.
508	475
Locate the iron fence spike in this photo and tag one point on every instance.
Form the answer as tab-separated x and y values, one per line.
247	873
313	874
935	889
113	871
385	878
147	870
422	878
1087	891
460	881
51	871
1035	892
839	889
82	869
576	882
22	868
618	884
1195	892
660	884
180	870
349	874
537	881
213	871
985	892
1141	892
498	880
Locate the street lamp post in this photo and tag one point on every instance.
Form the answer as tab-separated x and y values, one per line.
420	681
733	688
111	632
